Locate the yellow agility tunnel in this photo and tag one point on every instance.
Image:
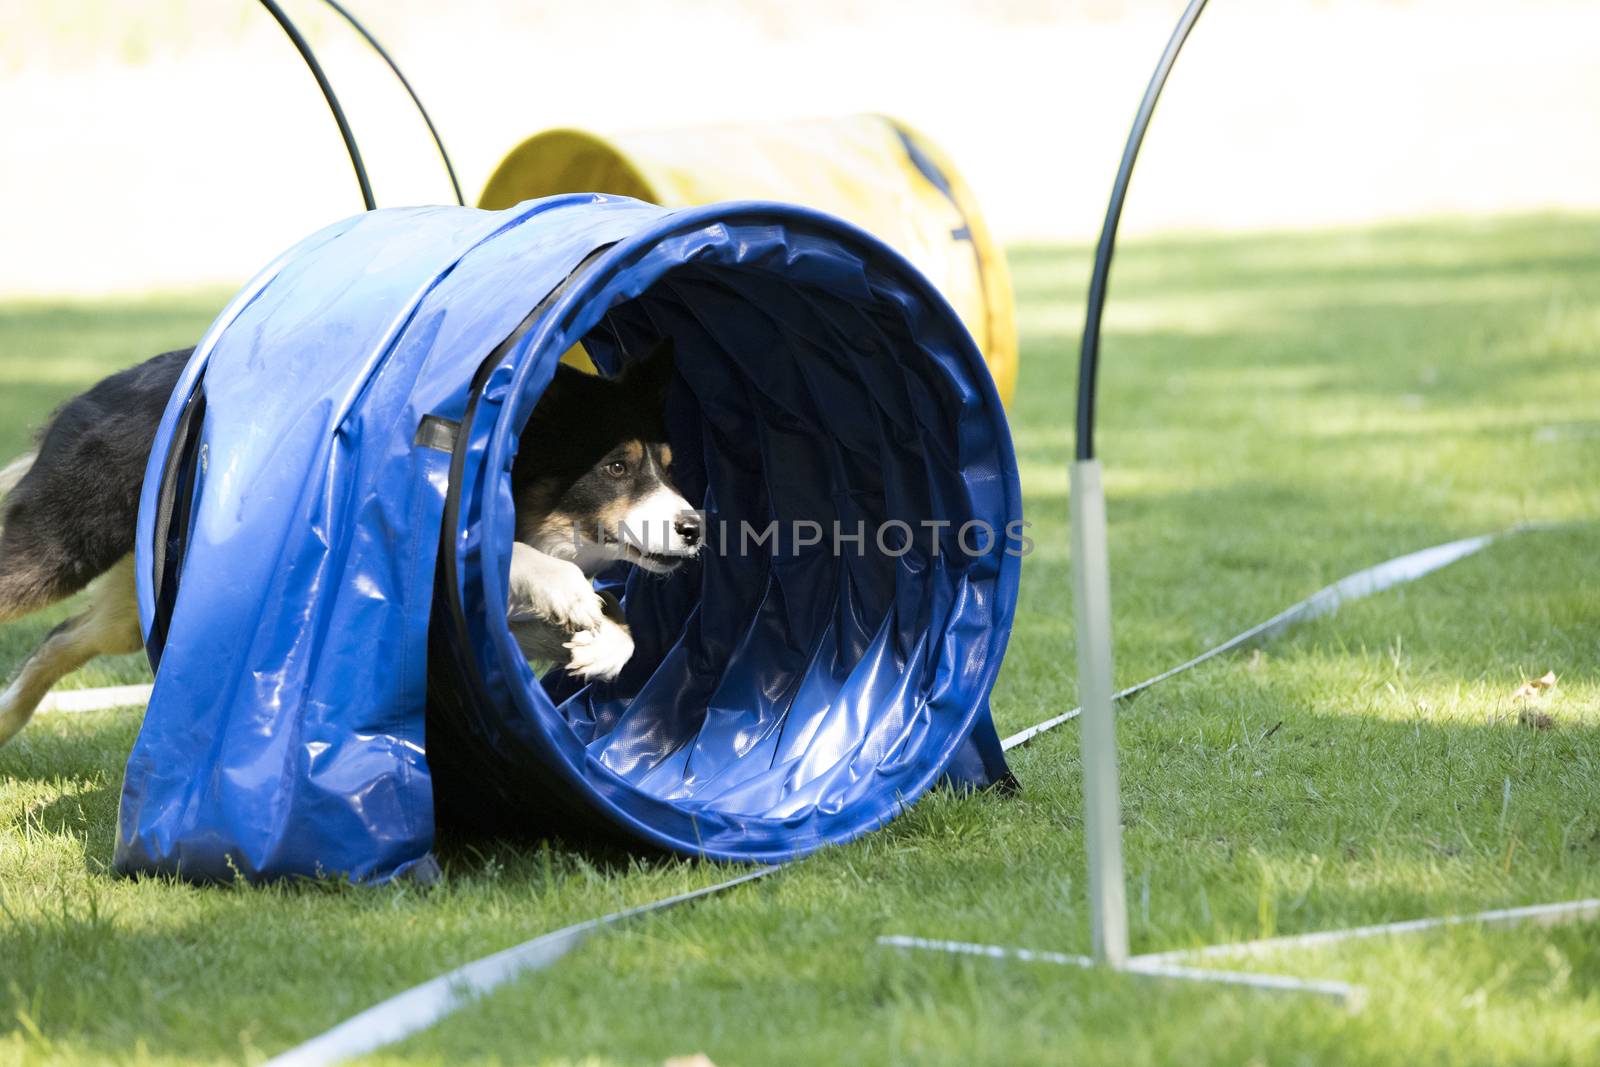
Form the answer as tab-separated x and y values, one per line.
870	170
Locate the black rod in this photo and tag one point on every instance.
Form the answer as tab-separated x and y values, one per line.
327	94
1089	354
438	143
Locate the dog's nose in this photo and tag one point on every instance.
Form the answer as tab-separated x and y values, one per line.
687	526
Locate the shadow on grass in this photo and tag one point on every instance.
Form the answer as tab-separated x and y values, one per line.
86	756
1405	821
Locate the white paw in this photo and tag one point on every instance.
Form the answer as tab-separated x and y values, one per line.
554	590
599	654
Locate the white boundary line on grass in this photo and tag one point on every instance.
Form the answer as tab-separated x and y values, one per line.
1567	911
111	696
1143	966
421	1006
1325	601
1166	965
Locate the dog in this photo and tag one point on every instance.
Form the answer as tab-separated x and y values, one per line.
591	483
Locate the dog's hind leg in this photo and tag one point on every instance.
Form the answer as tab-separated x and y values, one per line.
110	626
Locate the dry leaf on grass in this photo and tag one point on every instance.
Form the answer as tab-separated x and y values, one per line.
699	1059
1534	689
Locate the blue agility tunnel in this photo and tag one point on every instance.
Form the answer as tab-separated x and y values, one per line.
326	527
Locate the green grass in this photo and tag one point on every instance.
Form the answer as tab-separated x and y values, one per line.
1277	411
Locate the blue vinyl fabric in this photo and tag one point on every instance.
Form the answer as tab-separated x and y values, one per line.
324	684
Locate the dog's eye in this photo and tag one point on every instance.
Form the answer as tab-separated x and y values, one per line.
616	468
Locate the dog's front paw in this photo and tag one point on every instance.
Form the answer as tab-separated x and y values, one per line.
551	589
599	654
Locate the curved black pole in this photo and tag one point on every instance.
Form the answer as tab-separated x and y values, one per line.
306	54
1089	354
438	143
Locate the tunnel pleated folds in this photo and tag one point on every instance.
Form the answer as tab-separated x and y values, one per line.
326	527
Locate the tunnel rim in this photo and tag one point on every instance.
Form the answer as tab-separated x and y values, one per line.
533	358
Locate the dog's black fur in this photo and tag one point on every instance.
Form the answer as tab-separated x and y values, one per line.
73	514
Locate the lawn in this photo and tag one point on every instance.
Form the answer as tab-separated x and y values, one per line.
1277	411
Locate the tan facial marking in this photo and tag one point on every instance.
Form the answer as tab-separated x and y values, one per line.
536	516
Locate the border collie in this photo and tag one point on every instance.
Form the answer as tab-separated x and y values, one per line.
592	485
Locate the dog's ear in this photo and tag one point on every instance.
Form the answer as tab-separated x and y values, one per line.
560	396
566	379
650	377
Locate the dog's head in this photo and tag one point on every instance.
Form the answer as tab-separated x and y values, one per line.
593	475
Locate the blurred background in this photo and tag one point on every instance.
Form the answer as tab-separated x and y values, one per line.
170	143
